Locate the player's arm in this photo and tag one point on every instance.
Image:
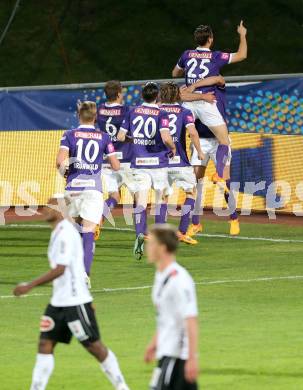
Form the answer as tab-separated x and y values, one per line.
124	129
192	363
24	288
151	349
187	96
241	54
194	137
207	82
114	162
121	136
168	141
62	161
177	71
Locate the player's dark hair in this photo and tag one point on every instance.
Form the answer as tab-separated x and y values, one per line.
169	92
112	89
87	111
150	92
166	235
202	34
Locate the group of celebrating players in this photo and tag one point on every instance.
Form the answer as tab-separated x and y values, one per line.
143	148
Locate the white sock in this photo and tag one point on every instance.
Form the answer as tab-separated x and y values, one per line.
43	369
110	367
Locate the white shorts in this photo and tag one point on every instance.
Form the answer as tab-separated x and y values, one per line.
86	204
145	179
183	177
208	113
113	180
209	147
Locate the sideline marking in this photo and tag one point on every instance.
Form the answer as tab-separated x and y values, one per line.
147	287
199	235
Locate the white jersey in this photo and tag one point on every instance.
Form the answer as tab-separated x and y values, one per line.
65	248
174	297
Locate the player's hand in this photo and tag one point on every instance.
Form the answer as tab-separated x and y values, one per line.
209	97
201	156
191	370
172	152
241	29
150	353
22	289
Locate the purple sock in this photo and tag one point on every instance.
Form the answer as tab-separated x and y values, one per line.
186	210
140	220
88	247
161	213
110	204
230	200
221	157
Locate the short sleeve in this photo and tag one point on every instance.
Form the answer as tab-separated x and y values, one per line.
163	121
125	126
109	147
185	295
188	118
181	62
223	58
64	249
65	140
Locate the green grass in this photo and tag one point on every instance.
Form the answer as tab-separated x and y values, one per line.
251	332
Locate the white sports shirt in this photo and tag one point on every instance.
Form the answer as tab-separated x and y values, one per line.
174	297
65	248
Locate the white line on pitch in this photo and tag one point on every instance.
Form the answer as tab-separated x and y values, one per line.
202	283
199	235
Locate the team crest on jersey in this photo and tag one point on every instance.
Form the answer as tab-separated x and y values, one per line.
46	324
88	135
225	56
165	122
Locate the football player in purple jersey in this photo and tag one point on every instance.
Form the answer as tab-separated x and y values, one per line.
148	127
80	159
209	145
200	63
109	118
180	171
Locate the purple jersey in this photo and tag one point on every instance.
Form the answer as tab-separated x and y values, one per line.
201	63
110	118
86	148
179	118
202	129
144	124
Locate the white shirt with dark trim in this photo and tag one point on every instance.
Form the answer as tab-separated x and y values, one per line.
65	248
174	297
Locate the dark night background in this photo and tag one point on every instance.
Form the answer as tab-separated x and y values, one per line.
73	41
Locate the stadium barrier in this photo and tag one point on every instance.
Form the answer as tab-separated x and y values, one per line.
265	115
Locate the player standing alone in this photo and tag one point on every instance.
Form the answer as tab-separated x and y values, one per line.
110	117
152	143
176	339
80	159
70	312
201	63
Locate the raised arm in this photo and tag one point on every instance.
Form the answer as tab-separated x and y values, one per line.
177	71
207	82
241	54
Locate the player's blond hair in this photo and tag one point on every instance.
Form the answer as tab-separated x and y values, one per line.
87	111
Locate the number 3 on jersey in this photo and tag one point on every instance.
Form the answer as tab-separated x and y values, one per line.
89	152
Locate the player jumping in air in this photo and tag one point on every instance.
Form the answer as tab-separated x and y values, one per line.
209	145
110	117
175	343
180	171
148	126
80	159
200	63
70	312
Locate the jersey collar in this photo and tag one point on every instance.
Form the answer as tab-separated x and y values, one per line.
86	127
112	104
154	105
203	48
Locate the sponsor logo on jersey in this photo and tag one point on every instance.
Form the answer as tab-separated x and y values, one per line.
174	109
46	324
110	111
146	111
174	160
147	161
225	56
88	135
111	148
194	54
165	123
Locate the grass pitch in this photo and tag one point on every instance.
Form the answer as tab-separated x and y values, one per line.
250	301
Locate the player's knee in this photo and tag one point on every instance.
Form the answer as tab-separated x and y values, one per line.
97	349
45	346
